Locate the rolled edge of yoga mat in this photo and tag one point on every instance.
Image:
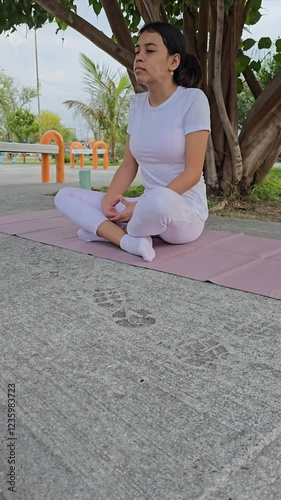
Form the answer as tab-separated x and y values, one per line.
85	178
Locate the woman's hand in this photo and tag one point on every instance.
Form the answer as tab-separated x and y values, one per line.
127	213
108	206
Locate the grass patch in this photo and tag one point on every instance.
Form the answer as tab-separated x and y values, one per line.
131	192
269	189
88	162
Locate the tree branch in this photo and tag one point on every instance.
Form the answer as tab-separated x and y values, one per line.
118	24
252	82
121	32
120	54
244	14
149	10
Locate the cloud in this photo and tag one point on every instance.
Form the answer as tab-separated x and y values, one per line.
53	76
15	40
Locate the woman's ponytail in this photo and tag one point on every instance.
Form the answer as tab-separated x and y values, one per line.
189	72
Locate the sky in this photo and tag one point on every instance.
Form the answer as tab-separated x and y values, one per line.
60	73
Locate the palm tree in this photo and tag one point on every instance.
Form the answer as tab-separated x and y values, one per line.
110	95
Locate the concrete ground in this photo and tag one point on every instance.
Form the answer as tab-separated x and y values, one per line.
131	384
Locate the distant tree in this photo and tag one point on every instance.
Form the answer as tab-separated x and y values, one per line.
110	95
12	98
269	68
245	103
22	125
52	121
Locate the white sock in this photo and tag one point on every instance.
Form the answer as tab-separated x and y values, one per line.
138	246
86	236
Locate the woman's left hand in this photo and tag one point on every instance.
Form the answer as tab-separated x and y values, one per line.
127	213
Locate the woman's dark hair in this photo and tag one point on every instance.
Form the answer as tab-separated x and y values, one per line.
188	73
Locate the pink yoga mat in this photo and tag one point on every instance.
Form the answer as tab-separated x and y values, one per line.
233	260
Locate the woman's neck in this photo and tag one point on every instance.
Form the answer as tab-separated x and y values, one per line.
158	95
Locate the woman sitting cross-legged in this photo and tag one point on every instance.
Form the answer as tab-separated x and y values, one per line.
167	138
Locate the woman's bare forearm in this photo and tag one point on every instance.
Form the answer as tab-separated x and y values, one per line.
122	179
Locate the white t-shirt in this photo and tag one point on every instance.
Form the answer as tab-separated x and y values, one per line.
157	139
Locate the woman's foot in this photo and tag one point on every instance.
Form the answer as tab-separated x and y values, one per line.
138	246
86	236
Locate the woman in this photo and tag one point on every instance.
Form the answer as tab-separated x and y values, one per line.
167	137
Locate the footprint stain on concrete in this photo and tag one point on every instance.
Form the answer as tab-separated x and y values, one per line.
206	350
132	318
109	297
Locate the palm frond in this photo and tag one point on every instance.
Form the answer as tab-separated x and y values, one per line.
97	79
80	108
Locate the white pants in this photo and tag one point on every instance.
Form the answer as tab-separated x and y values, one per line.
159	212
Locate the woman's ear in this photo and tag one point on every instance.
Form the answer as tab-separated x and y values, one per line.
176	58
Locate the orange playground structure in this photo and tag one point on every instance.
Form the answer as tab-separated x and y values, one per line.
97	147
52	135
52	143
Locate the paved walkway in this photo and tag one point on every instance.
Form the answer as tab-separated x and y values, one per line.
132	384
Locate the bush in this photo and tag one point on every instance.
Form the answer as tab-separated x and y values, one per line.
66	158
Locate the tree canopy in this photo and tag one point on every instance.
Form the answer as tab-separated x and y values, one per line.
22	124
52	121
213	30
12	98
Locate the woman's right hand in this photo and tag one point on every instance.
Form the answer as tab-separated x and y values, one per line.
108	206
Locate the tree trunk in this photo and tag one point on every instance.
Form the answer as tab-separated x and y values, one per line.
270	160
260	136
112	148
210	171
202	42
189	30
232	139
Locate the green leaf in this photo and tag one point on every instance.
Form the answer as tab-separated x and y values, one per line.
277	58
255	66
242	63
256	4
248	43
265	43
239	86
278	44
97	6
253	17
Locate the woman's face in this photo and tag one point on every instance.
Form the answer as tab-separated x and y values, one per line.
152	63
